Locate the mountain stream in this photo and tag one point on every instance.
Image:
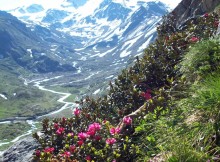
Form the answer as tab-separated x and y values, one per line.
32	123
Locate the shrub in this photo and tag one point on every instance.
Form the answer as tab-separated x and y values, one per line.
78	138
93	135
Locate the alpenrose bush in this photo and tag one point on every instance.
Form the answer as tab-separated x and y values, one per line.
80	139
91	134
158	65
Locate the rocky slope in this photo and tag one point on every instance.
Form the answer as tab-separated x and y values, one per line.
20	152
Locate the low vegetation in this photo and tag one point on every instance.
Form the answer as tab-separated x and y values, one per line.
164	107
8	132
22	100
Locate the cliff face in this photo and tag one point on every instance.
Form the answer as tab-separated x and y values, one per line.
192	8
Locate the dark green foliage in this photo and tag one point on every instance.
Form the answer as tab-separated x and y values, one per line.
156	70
156	82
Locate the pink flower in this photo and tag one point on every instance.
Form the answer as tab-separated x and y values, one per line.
60	131
80	143
88	158
66	154
91	132
216	23
194	39
110	141
56	126
72	148
206	15
127	120
37	153
97	138
114	131
83	136
49	150
94	126
146	94
63	119
114	160
76	112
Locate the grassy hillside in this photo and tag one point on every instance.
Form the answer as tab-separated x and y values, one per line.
164	107
22	100
9	132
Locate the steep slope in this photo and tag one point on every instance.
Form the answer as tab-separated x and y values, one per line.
149	138
25	47
147	91
24	53
192	8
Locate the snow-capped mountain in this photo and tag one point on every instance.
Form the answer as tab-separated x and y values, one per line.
108	33
29	49
67	17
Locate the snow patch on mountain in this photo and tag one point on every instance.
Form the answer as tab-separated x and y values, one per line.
144	45
3	96
88	8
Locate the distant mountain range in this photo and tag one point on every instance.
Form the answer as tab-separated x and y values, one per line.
69	38
109	34
27	48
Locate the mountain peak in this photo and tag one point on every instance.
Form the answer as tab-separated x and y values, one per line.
77	3
34	8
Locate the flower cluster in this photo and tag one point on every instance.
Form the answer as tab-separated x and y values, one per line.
194	39
114	131
72	142
76	111
60	130
127	120
147	94
110	141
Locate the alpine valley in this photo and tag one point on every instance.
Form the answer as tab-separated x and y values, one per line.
71	50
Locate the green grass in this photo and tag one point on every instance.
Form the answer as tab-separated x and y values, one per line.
22	100
202	59
190	132
194	139
28	107
8	132
76	92
217	9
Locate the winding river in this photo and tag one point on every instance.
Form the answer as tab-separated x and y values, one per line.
37	83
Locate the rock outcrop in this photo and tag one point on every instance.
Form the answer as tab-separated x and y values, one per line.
21	151
191	8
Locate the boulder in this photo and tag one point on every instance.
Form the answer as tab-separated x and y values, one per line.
21	151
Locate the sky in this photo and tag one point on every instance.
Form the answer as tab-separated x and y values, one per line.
12	4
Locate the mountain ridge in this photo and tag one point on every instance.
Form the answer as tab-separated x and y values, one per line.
23	46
